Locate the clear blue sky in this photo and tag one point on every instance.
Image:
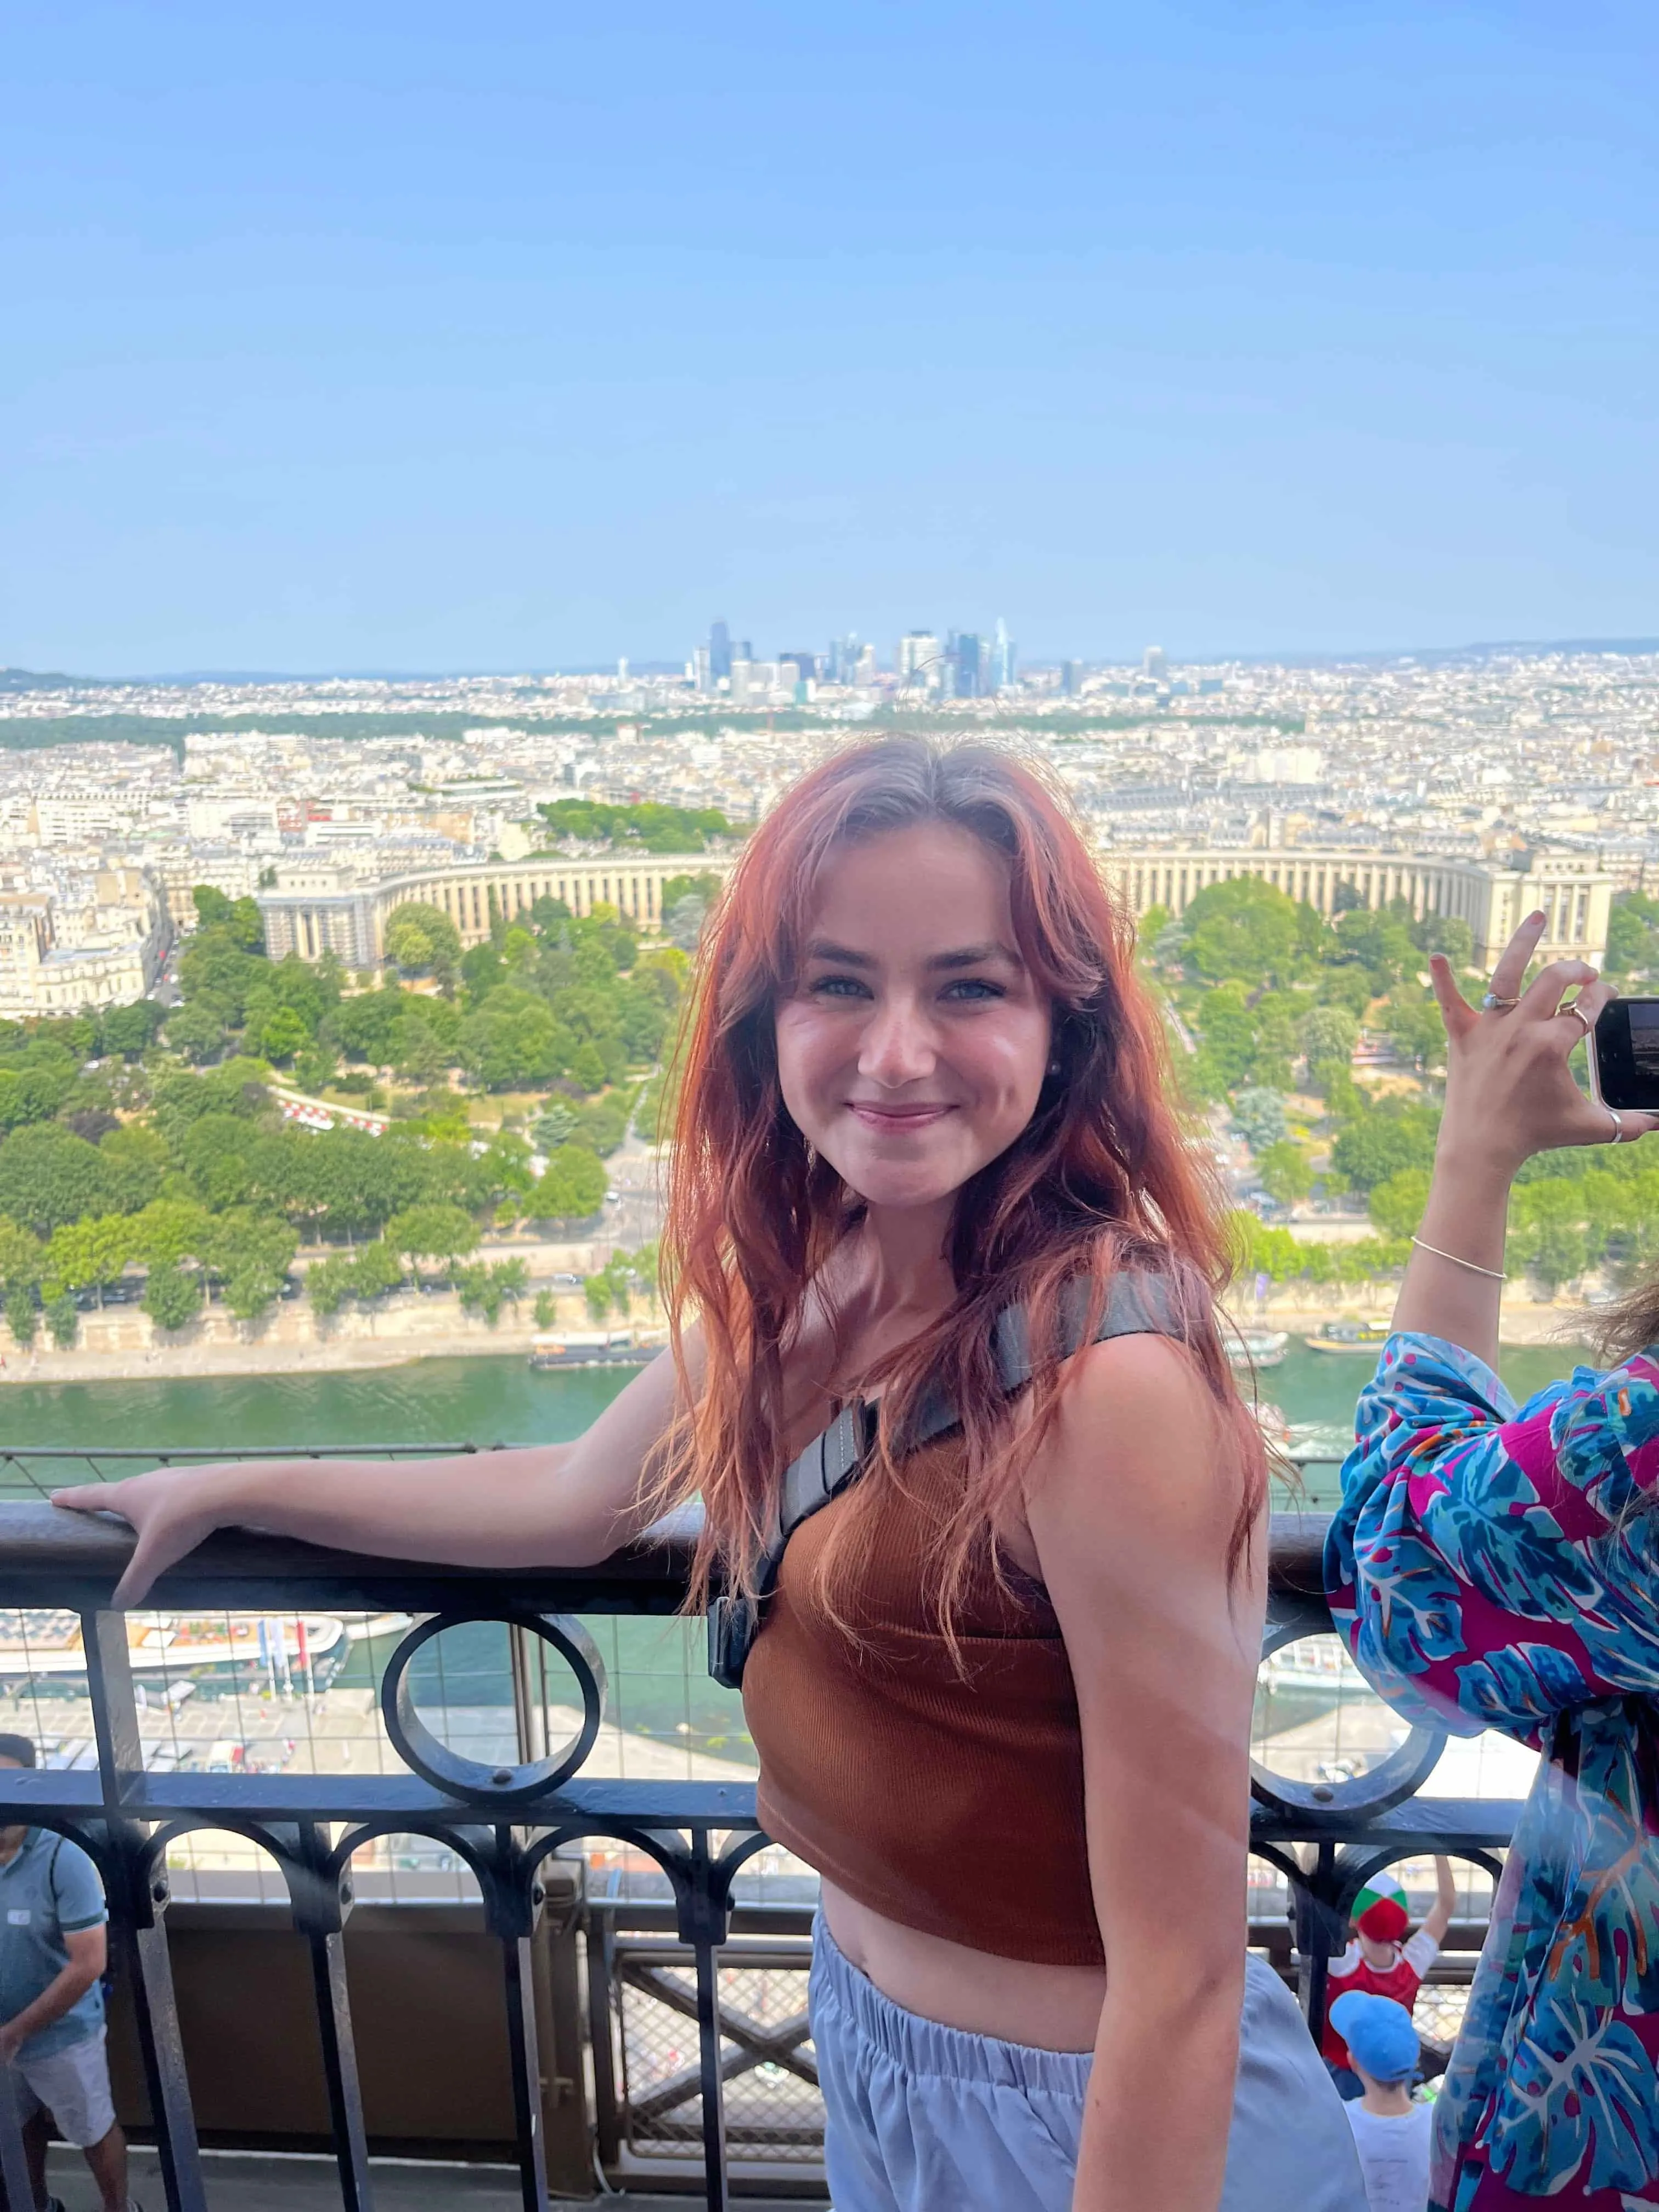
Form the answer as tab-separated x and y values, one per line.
425	337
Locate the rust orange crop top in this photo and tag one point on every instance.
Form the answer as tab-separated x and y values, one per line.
953	1806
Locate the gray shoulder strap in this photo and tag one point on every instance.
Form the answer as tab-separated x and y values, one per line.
1138	1303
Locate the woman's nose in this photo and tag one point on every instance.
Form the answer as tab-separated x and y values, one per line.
898	1046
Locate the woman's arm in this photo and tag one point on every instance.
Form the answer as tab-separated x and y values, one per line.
546	1506
1131	1509
1510	1093
1489	1567
1438	1919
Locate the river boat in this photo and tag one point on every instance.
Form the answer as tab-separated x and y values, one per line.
1256	1347
45	1646
1364	1336
595	1347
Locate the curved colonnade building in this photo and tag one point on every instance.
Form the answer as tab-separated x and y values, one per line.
352	924
1571	888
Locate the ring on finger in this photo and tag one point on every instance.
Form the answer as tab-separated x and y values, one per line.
1491	1004
1575	1008
1618	1120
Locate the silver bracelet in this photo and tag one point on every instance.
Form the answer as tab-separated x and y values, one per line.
1494	1274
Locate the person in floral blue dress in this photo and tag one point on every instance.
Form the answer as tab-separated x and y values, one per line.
1497	1566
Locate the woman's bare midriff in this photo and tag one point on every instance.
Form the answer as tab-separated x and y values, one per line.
1049	2008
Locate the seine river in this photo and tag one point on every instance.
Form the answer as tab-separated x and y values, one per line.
658	1688
500	1401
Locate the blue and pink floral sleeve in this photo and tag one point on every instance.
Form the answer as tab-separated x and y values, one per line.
1491	1567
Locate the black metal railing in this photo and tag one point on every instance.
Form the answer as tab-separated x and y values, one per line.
505	1821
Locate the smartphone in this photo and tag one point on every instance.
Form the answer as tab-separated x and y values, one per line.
1624	1056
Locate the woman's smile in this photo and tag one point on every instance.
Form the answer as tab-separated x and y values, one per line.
898	1121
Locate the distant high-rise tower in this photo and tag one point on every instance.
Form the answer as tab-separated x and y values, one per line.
918	660
1071	677
967	665
1002	659
720	651
1155	663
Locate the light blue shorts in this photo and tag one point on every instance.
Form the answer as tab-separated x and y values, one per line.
923	2119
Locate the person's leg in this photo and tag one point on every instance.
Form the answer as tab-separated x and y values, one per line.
73	2084
107	2159
35	2133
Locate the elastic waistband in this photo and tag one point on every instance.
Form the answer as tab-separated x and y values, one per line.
923	2047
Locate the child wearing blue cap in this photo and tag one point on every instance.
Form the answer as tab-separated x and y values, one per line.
1390	2133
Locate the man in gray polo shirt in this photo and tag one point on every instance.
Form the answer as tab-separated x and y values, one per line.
52	1954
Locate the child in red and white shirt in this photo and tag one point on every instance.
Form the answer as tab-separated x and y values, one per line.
1383	1958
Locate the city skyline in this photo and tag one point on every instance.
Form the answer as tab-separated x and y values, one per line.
394	342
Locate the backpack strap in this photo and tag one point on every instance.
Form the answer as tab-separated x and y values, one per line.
1138	1303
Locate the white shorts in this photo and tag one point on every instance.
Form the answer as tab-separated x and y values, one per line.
920	2118
71	2084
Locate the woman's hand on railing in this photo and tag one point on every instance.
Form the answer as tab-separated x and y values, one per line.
171	1508
1510	1091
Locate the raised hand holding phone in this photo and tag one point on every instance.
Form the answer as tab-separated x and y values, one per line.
1510	1093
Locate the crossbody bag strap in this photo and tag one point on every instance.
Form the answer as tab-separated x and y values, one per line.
1138	1303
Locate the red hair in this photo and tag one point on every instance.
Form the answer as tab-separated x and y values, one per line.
1099	1178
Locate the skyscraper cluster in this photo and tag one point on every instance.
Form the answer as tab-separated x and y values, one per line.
964	664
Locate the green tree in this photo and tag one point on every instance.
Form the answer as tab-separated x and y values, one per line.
1245	930
1412	1020
249	1254
1258	1117
422	940
1284	1172
131	1031
137	1160
1226	1032
433	1232
1633	935
48	1176
1553	1254
376	1270
22	1316
555	1126
573	1187
172	1297
169	1230
282	1034
1383	1140
32	1094
330	1283
197	1032
246	925
1448	933
1397	1204
544	1309
90	1254
23	1257
212	906
486	1288
1329	1033
62	1320
1379	943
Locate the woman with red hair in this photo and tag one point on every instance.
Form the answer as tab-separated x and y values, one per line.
982	1509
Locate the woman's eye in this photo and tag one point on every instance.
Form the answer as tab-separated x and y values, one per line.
838	986
969	989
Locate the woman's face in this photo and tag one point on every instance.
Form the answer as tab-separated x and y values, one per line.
913	1045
